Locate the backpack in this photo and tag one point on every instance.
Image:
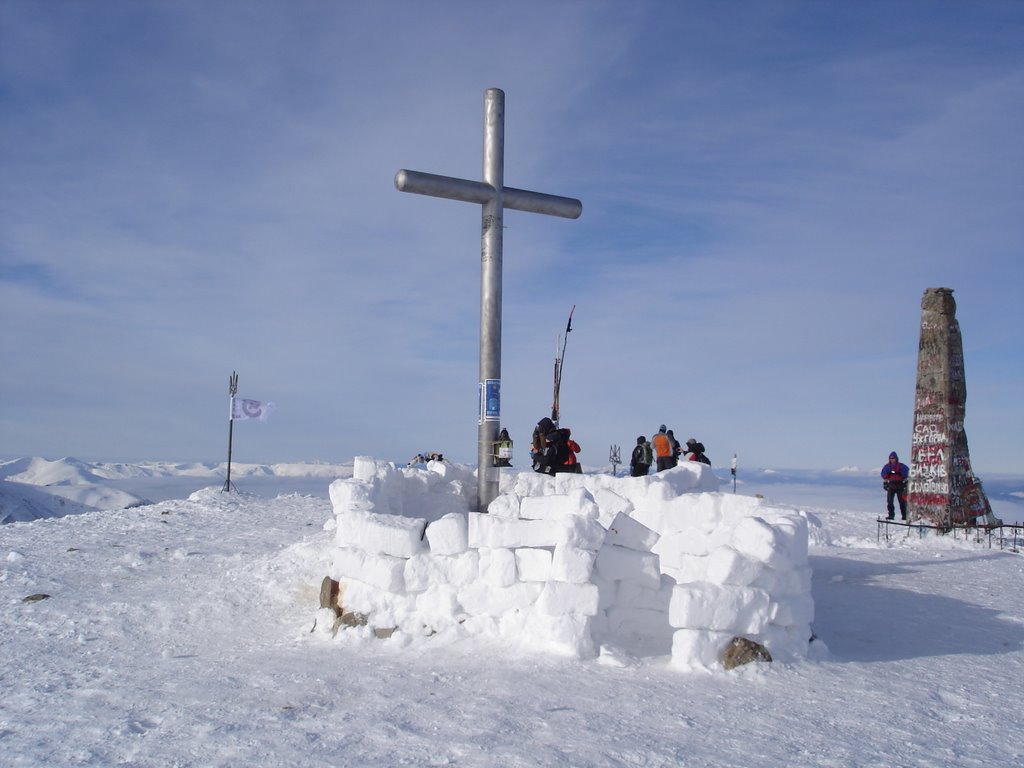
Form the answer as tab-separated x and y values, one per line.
698	454
557	451
648	453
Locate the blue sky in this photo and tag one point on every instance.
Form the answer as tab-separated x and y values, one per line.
194	188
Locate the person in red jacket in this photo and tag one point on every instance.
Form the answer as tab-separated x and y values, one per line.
571	464
894	480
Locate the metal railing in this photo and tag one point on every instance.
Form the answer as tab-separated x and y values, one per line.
1009	537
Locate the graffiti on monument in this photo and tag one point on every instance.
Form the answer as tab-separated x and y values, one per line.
943	488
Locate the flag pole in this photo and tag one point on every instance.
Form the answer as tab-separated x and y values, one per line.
232	391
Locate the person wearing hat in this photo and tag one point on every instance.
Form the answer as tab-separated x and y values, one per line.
663	449
677	449
572	464
640	461
544	426
894	480
695	451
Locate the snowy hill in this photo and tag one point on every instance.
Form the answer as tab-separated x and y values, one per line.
71	471
65	480
23	502
37	471
54	488
179	634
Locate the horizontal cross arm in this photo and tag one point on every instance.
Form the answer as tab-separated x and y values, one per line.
467	191
443	186
538	202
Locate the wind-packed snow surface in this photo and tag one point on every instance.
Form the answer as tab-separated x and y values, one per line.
182	634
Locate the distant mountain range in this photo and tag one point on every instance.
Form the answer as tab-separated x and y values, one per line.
34	488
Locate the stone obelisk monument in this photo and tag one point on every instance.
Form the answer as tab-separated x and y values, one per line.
943	490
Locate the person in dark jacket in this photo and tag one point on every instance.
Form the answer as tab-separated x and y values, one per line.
554	447
695	451
894	480
544	426
640	461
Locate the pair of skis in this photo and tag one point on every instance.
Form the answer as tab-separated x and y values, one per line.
559	360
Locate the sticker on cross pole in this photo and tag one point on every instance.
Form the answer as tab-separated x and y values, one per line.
492	400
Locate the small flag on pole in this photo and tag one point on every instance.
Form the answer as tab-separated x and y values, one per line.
242	409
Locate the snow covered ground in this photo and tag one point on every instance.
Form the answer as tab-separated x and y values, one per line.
178	634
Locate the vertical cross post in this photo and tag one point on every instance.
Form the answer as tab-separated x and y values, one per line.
491	234
493	197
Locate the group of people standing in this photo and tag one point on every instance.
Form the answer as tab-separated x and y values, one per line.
664	451
425	458
553	449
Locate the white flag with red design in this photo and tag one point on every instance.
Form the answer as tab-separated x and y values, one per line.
242	409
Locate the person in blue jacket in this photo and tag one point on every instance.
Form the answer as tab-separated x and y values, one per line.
894	480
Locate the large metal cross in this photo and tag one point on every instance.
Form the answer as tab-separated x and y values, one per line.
494	197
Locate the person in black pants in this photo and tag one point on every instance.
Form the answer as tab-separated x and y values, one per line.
640	461
894	480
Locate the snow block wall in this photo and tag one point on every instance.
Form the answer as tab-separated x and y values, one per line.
573	564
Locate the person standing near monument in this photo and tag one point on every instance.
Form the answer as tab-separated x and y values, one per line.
894	480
